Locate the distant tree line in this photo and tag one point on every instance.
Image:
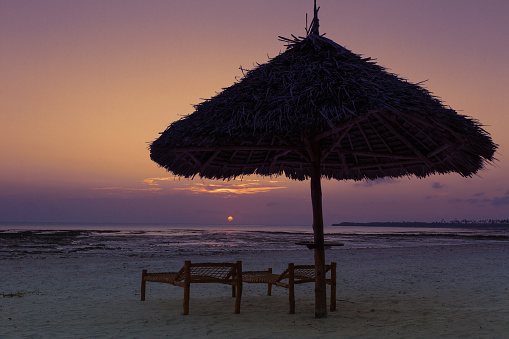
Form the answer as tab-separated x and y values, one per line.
480	222
442	223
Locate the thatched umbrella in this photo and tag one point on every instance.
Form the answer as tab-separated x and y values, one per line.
319	110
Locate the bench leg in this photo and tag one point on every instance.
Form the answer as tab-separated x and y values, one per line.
333	288
269	287
238	282
143	283
238	299
292	298
291	288
187	285
187	288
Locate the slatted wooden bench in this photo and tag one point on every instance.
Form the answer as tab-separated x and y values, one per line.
192	273
293	275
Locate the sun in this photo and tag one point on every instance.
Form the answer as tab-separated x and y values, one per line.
230	218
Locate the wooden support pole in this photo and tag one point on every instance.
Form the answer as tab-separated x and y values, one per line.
269	287
187	286
291	288
333	287
238	277
235	282
143	284
316	199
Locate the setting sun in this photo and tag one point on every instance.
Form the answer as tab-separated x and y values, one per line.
230	218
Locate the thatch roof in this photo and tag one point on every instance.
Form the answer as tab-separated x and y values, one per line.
368	122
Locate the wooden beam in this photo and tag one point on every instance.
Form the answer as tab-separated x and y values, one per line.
378	154
238	148
402	138
299	150
435	125
366	140
240	164
438	150
344	164
209	160
196	161
379	136
310	152
319	251
352	147
277	156
389	164
340	127
336	142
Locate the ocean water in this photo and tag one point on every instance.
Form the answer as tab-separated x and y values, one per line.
158	240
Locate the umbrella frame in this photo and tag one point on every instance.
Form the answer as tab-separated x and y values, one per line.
319	250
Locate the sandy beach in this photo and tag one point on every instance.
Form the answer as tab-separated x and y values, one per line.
430	291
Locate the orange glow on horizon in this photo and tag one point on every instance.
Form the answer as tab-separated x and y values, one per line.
229	189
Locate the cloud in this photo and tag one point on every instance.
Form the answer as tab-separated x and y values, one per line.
437	185
472	201
227	188
500	201
496	201
120	190
438	195
153	184
155	181
370	183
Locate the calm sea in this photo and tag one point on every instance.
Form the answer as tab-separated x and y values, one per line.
154	240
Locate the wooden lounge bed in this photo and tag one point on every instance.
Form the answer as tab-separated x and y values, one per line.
293	275
192	273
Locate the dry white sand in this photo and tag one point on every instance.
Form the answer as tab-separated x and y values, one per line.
420	292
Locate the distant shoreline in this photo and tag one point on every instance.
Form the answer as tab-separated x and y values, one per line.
418	224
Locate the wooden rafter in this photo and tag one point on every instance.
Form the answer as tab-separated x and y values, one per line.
378	154
366	140
435	125
277	156
336	142
345	167
352	147
438	150
209	160
428	143
403	139
341	127
238	148
311	154
196	161
389	164
379	136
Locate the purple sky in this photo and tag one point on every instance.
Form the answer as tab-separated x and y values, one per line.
86	85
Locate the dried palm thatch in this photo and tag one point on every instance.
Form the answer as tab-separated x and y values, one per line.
319	110
369	123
